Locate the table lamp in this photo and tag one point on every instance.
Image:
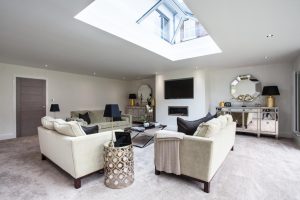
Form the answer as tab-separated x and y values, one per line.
270	91
132	98
112	110
54	108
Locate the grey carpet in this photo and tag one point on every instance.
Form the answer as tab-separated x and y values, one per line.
259	168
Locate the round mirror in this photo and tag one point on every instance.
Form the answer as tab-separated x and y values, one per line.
144	93
245	88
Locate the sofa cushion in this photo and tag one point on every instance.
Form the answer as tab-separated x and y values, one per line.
71	128
223	120
90	129
209	129
229	118
96	116
189	127
47	122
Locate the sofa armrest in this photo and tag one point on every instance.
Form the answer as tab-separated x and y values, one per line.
127	118
88	152
195	156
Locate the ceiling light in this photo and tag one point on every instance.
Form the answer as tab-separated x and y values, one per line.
94	73
267	57
270	36
46	65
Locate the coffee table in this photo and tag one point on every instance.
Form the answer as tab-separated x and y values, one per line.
145	136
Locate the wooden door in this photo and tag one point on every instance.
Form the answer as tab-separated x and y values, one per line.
30	104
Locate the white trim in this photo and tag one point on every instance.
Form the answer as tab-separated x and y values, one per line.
15	98
7	136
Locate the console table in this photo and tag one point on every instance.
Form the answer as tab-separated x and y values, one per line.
257	120
139	113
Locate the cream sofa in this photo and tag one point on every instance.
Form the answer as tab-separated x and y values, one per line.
104	123
201	157
77	155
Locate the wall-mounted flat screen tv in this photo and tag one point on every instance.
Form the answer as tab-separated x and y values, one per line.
179	88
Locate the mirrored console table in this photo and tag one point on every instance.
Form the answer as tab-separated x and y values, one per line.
257	120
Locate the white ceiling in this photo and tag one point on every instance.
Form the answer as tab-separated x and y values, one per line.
35	33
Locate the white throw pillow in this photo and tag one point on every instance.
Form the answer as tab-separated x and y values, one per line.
209	128
229	118
71	128
223	121
48	122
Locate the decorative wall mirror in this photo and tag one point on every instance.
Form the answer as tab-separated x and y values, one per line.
144	92
245	88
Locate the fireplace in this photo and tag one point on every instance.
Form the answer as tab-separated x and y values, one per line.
178	110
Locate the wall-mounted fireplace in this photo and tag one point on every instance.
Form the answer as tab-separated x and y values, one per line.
178	110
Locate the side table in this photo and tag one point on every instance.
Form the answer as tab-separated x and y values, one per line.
118	166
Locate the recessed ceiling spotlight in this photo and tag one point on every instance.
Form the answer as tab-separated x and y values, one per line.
267	57
46	65
94	73
270	36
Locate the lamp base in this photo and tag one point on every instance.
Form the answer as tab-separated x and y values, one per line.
270	101
131	102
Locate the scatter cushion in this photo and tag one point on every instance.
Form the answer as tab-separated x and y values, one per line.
96	116
208	129
85	117
71	128
229	118
223	121
201	130
47	122
90	130
189	127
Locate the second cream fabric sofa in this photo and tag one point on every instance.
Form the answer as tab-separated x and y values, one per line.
201	157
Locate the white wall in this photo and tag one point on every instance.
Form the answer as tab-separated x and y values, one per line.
197	106
296	68
70	91
276	74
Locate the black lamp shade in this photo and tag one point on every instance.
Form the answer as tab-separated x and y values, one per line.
54	108
132	96
112	110
270	91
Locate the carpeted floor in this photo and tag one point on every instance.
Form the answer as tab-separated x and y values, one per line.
259	168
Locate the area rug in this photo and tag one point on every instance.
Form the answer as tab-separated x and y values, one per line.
258	168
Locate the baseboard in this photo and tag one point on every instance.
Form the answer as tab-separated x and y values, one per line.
7	136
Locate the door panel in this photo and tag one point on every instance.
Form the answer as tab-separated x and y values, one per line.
31	102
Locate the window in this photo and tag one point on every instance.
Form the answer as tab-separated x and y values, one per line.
168	29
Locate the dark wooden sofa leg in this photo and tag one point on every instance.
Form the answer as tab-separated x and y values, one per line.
232	148
43	157
77	183
206	187
157	172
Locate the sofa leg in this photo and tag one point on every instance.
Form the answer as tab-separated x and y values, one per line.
43	157
101	171
157	172
77	183
206	187
232	148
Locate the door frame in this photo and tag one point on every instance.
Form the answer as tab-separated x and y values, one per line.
15	97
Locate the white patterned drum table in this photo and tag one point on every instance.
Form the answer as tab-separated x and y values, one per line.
118	166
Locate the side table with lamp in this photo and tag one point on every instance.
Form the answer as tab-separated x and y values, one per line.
118	158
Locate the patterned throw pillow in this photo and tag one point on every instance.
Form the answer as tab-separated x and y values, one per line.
209	129
72	128
223	121
47	122
201	130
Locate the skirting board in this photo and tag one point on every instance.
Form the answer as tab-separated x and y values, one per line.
7	136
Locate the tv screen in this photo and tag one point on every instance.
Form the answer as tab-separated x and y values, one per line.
179	89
